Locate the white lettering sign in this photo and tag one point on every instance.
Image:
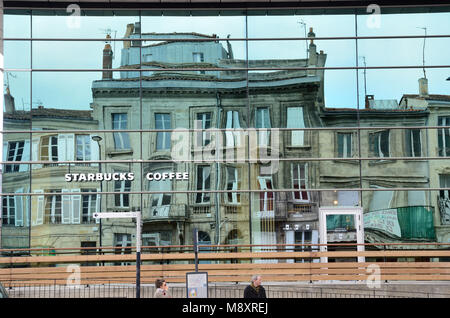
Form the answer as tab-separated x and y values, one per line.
384	220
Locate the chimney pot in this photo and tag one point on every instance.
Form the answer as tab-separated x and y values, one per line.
423	86
368	99
107	60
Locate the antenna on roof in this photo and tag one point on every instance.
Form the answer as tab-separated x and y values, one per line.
365	72
301	22
108	31
423	53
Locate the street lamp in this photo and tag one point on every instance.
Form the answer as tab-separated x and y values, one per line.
98	139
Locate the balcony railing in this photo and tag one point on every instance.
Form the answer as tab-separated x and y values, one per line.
444	209
201	210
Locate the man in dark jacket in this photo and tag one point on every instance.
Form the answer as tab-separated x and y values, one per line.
255	289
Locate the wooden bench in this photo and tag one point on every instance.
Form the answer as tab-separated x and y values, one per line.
284	269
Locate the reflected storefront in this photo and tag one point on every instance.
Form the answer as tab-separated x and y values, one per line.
239	125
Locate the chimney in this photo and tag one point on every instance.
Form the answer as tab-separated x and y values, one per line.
137	31
312	53
128	32
423	86
107	60
311	35
9	102
368	99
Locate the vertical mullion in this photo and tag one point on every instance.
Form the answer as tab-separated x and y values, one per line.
358	107
248	143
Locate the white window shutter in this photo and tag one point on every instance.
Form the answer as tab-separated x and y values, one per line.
229	134
66	207
19	207
263	186
62	144
70	147
26	209
95	151
5	153
237	125
25	156
40	208
235	186
76	207
35	153
5	150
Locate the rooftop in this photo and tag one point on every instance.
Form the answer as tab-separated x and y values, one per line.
50	113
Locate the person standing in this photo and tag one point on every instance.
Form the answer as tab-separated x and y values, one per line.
162	289
255	289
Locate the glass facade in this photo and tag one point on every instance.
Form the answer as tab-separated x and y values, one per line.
239	124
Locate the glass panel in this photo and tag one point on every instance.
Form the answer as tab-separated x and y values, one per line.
77	23
17	25
275	54
17	54
66	54
16	177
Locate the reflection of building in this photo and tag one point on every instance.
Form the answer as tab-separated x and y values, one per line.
58	219
206	100
173	98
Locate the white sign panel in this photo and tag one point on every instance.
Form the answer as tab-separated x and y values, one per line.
197	285
385	220
107	215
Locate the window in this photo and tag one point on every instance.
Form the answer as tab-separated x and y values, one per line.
413	143
14	151
233	138
9	211
203	184
83	150
381	199
295	120
444	137
263	121
89	205
344	144
198	57
122	199
233	184
123	241
265	198
160	202
444	181
53	211
121	139
49	148
299	173
203	121
162	121
444	198
379	144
